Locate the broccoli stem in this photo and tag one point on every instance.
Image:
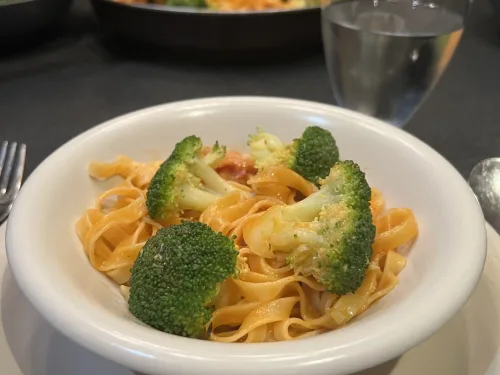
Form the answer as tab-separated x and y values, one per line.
192	198
283	240
309	208
210	178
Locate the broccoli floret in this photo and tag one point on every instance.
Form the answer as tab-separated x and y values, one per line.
215	155
186	181
328	235
176	276
312	155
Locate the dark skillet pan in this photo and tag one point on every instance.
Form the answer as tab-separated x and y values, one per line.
19	18
230	36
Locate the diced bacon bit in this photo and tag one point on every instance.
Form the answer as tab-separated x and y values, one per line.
235	166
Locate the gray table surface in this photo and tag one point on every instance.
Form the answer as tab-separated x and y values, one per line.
51	92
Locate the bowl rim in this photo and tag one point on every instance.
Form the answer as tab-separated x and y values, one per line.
211	357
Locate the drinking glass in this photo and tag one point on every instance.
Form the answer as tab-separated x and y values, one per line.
385	56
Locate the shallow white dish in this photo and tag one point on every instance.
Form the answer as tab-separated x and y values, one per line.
441	274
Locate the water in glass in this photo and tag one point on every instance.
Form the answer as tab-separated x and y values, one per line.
384	56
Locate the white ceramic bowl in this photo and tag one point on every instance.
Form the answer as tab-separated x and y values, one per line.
52	270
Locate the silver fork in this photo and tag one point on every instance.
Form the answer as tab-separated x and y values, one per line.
12	159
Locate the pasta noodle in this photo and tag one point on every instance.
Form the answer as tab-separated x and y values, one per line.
268	301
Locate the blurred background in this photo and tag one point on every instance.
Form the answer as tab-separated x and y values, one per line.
58	81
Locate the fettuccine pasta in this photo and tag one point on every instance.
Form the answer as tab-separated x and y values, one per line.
268	301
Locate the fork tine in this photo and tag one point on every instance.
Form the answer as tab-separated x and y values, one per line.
3	154
16	177
7	169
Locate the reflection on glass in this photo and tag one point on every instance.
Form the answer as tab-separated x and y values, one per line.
384	56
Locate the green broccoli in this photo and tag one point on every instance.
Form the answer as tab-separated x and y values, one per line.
186	180
312	155
176	277
328	235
